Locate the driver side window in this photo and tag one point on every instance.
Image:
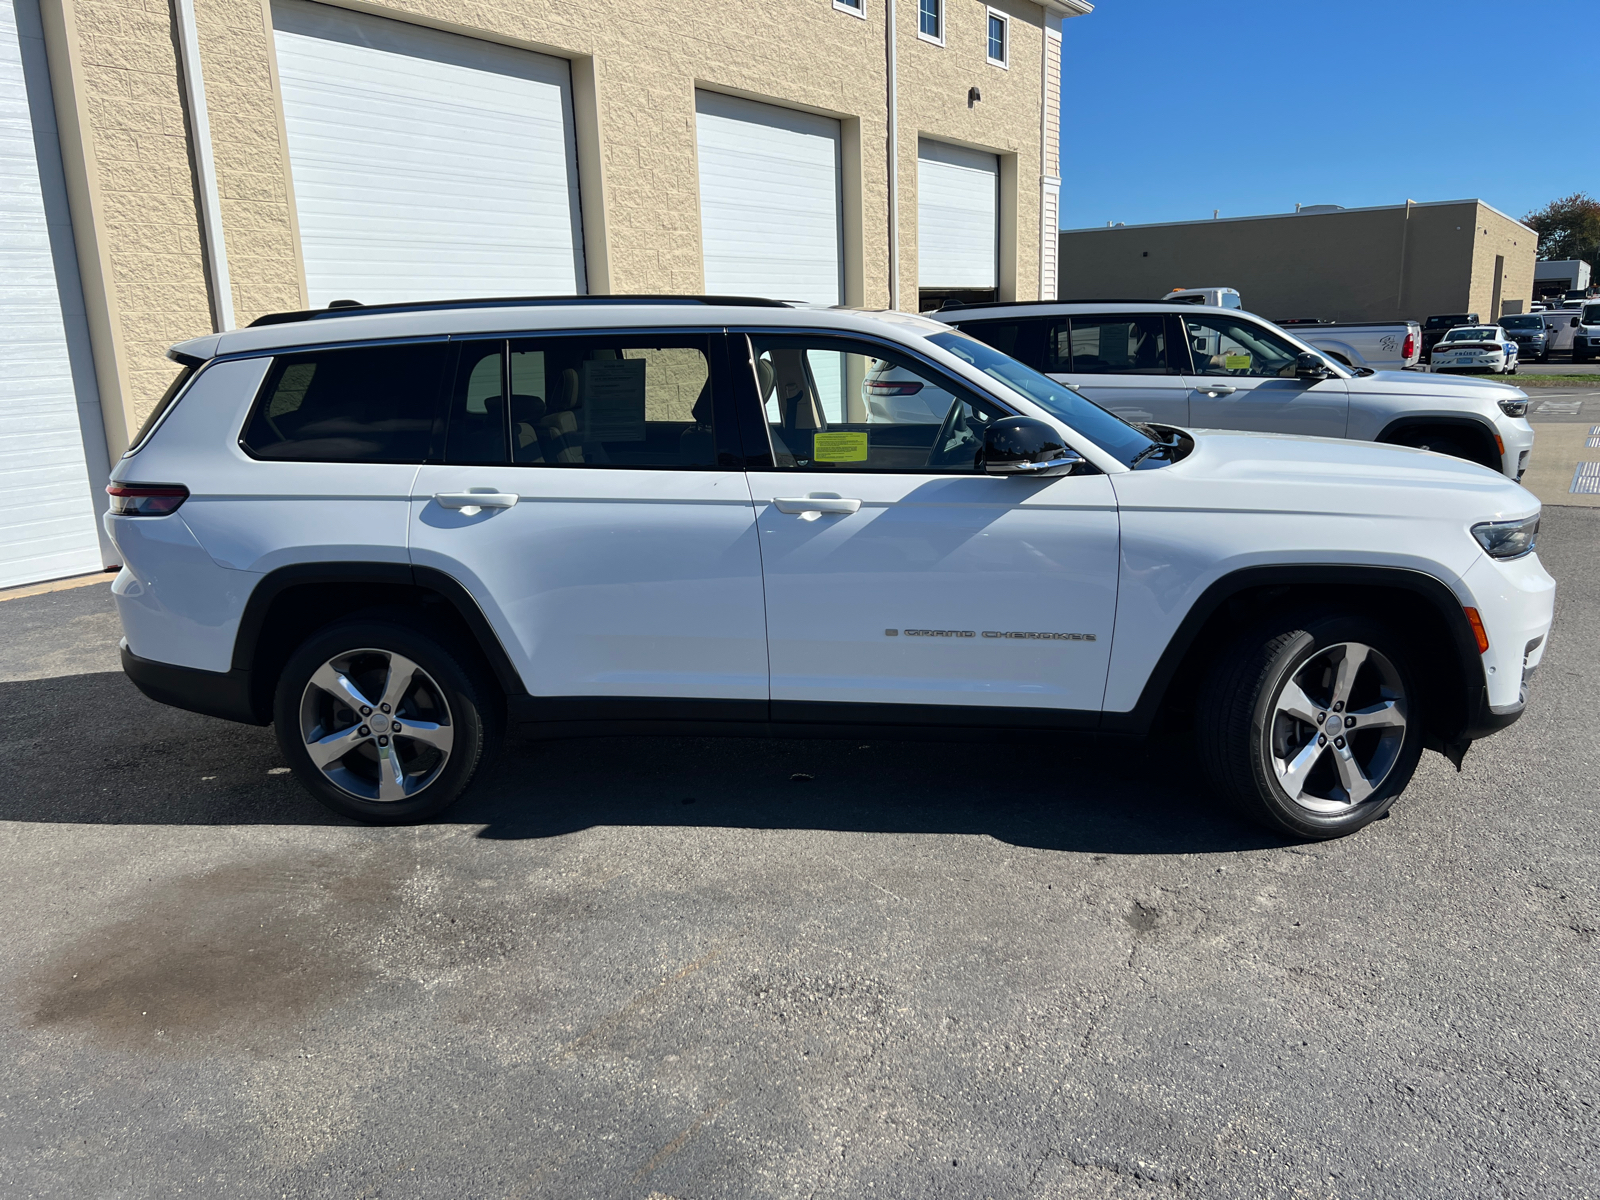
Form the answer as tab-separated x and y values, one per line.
833	404
1229	346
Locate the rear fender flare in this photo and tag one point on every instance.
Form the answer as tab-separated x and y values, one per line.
252	624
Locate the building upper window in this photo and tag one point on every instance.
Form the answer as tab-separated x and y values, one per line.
930	20
999	39
856	8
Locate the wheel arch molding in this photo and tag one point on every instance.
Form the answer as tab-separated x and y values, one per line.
291	602
1227	607
1483	433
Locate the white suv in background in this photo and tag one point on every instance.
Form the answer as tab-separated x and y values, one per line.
390	530
1214	368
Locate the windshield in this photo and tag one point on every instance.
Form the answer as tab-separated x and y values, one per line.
1591	314
1445	322
1111	433
1522	322
1478	334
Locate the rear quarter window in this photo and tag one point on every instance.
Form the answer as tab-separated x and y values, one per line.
1023	340
380	404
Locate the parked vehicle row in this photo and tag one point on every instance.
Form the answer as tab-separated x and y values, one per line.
388	531
1226	369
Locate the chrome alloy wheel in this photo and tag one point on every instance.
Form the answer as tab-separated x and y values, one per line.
1337	727
376	725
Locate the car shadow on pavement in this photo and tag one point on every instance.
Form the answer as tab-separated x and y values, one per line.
90	749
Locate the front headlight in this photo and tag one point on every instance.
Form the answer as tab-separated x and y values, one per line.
1508	539
1515	408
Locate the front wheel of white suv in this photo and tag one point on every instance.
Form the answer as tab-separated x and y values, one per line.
383	723
1313	725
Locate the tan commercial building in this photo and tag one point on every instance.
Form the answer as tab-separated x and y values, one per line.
1394	262
197	163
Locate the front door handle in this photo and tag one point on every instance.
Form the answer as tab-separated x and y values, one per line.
809	508
471	503
1221	389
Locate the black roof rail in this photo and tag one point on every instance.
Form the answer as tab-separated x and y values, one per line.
951	306
354	308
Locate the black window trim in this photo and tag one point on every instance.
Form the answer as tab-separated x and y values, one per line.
753	417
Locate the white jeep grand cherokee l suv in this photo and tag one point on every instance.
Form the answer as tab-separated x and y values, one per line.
388	531
1218	368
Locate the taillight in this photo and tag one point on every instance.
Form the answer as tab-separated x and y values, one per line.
1410	347
879	388
146	499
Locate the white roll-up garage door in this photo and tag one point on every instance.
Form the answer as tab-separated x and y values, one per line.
769	200
47	512
958	217
426	165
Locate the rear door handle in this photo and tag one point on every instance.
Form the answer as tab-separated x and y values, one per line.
809	508
1220	389
471	503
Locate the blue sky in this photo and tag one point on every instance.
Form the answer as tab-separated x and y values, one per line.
1172	108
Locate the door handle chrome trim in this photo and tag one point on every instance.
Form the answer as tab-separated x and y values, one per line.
1221	389
471	503
812	507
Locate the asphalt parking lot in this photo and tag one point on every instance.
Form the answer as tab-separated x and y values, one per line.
668	968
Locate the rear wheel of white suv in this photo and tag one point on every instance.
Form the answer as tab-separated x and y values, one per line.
1313	725
384	723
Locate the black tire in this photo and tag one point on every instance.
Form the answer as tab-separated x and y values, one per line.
451	691
1246	739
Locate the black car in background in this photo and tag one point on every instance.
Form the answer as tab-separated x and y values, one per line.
1532	337
1435	328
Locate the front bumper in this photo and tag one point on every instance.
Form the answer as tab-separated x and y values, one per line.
1516	602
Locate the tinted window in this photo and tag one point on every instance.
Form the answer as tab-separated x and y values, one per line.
1522	323
604	401
1591	314
1022	340
1111	433
357	404
477	430
1113	345
833	404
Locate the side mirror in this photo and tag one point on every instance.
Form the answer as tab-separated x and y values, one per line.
1311	366
1026	446
1574	322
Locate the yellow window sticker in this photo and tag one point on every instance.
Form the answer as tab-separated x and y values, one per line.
1236	362
839	447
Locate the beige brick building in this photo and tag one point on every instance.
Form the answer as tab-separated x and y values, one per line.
221	159
1395	262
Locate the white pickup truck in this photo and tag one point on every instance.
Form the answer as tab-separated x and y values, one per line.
1375	345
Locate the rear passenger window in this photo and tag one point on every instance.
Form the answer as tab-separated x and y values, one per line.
1110	345
356	404
610	402
1021	340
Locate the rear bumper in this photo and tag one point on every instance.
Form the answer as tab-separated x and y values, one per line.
224	694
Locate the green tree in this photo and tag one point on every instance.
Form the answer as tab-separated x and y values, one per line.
1568	228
